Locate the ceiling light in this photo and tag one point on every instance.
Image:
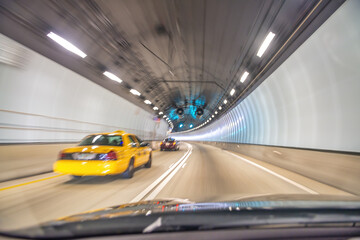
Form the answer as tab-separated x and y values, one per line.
164	116
225	101
210	119
167	118
155	108
135	92
66	44
265	44
160	113
215	112
112	76
244	76
220	108
147	102
232	92
212	116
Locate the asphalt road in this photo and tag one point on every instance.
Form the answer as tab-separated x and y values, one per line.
197	172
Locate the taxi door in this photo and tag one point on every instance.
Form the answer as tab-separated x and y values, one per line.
139	158
145	151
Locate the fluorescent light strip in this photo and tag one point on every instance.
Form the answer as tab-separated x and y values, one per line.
220	108
160	113
66	44
112	76
155	108
232	92
147	102
225	101
135	92
265	44
244	76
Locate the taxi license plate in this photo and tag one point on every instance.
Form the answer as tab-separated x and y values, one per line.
84	156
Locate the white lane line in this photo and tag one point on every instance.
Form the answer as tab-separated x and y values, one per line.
171	165
184	165
277	152
167	179
157	181
275	174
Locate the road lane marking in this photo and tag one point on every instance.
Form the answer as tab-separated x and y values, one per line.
27	183
184	165
277	152
161	178
275	174
158	189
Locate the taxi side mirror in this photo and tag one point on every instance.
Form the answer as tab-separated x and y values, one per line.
144	144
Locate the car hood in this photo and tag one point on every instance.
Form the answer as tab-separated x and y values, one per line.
139	216
264	201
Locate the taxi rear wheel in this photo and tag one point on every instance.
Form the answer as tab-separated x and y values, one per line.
129	173
148	164
75	177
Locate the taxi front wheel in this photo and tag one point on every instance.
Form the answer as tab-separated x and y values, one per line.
129	173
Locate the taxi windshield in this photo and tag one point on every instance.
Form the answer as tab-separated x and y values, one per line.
103	140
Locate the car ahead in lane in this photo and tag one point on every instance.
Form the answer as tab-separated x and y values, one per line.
105	154
169	144
289	216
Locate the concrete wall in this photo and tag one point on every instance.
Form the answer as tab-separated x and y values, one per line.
310	101
41	101
336	169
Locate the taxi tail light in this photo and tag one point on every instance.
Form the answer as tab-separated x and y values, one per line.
61	155
111	156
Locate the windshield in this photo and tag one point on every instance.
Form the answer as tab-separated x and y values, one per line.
122	115
103	140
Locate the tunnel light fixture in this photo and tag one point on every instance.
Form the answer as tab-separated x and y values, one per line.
212	116
191	126
161	113
147	102
135	92
265	44
216	112
220	108
66	44
232	92
155	108
244	76
112	76
225	101
164	116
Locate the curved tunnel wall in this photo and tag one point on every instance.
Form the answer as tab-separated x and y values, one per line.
41	101
311	101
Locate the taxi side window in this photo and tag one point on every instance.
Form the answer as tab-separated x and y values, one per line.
133	140
139	140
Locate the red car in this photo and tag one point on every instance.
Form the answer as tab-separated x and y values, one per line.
169	144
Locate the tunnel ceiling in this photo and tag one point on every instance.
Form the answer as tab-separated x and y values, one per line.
178	54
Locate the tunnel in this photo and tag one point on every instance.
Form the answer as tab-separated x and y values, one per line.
256	98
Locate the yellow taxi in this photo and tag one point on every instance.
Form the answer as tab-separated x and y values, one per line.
105	154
